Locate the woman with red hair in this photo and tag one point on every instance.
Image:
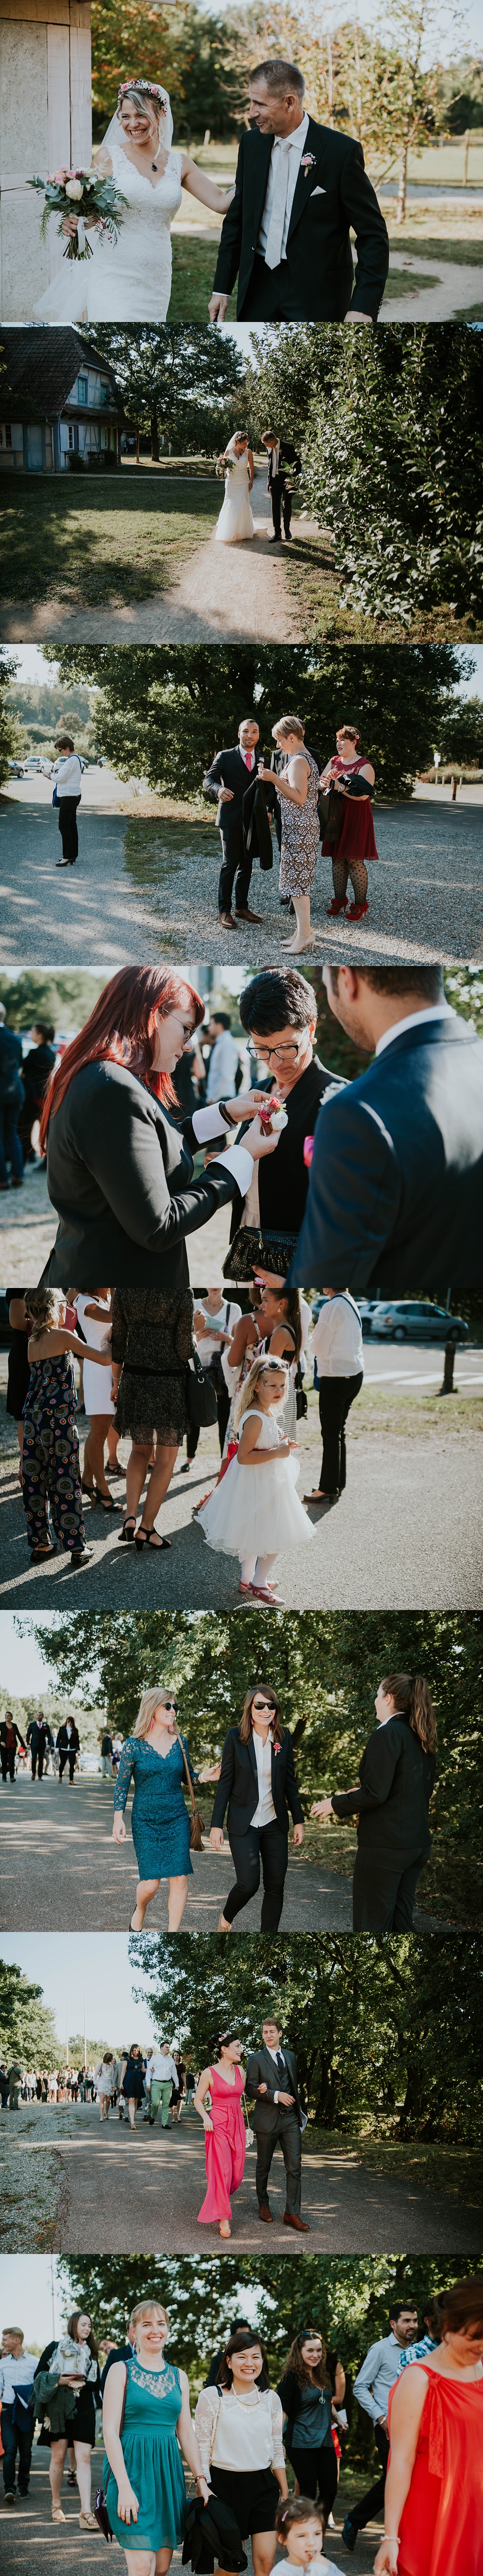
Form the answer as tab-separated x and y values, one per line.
352	778
119	1156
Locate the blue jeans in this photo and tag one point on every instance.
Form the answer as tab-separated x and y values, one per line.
10	1146
16	2437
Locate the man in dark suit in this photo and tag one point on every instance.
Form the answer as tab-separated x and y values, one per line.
68	1747
39	1735
228	780
395	1202
283	462
278	2119
299	188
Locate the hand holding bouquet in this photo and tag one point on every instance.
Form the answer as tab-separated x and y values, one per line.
224	466
84	196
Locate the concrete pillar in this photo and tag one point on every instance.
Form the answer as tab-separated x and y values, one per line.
45	119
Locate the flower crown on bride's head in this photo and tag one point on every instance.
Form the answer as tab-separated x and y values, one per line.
151	88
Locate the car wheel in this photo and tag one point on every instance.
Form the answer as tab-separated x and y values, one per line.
400	1333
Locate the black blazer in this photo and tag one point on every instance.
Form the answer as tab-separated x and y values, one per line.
120	1174
397	1779
395	1203
237	1787
67	1743
287	458
229	770
261	2070
283	1177
319	256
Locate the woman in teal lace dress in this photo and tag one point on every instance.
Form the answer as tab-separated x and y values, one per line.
152	1756
143	2476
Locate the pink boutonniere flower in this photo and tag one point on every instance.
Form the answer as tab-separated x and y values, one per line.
307	161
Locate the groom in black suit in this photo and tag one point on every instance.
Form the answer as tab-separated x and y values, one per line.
278	2118
283	461
299	188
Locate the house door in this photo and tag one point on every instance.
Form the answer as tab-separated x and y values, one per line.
35	447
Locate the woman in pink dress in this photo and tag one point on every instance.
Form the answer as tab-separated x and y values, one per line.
224	2128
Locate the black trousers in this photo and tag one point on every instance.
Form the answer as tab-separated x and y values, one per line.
336	1394
272	295
236	867
67	813
16	2437
361	2513
8	1763
316	2472
222	1408
38	1758
383	1894
71	1759
265	1844
281	501
284	2132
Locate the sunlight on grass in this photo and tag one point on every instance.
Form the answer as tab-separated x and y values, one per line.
122	540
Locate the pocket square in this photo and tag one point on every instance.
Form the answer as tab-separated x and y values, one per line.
318	192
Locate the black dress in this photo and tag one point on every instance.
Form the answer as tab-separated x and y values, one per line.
133	2086
152	1335
18	1380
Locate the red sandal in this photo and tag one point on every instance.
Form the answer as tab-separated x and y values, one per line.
336	906
356	911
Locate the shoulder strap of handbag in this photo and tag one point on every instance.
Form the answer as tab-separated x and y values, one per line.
123	2407
187	1770
214	2429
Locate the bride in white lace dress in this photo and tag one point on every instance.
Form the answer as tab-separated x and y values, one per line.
129	280
235	522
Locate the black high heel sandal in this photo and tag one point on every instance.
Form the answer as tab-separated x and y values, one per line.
128	1529
89	1489
144	1537
106	1500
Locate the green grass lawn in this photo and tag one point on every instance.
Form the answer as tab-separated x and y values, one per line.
193	272
458	2171
405	281
99	542
466	253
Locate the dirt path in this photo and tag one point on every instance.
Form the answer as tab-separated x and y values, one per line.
224	592
29	2540
456	287
61	1869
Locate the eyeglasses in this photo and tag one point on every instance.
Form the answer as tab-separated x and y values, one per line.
169	1703
263	1703
282	1054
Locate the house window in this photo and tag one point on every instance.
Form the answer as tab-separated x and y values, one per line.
82	389
105	392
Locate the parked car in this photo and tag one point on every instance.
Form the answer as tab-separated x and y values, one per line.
367	1308
32	761
420	1321
15	768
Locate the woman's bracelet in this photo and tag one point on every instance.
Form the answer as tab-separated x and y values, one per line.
230	1122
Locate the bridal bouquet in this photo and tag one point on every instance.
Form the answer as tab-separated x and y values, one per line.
81	193
224	465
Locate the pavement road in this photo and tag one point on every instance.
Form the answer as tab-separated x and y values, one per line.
98	2170
29	2540
61	1870
142	886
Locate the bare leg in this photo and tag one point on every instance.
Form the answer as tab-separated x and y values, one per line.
131	2106
135	1475
158	1482
178	1890
112	1443
83	2466
303	933
93	1467
264	2544
146	1889
57	2458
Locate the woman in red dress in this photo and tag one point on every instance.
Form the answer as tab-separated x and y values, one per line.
356	844
224	2128
433	2507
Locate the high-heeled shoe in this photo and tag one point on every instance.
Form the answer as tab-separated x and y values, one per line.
297	947
339	905
88	1489
356	911
106	1500
144	1538
128	1529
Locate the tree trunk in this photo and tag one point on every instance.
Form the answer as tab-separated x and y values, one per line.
154	438
454	783
466	144
403	178
448	1374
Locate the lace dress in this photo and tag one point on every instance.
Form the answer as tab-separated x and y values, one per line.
224	2148
235	522
300	837
256	1509
357	835
128	280
152	1336
153	2461
159	1821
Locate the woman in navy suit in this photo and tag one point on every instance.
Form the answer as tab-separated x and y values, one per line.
391	1801
257	1784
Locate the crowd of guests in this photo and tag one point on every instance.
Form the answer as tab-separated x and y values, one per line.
23	1083
148	2080
262	2462
42	1755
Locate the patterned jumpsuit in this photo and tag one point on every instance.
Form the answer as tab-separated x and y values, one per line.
50	1468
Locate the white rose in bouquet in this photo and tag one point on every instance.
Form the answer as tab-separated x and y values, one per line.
73	187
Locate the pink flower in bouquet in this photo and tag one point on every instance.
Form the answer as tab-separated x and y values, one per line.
59	176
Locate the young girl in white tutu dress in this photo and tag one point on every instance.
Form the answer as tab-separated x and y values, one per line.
255	1509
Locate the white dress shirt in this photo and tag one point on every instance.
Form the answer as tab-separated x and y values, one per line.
292	145
265	1811
377	2375
68	776
16	2373
415	1020
223	1067
337	1340
276	2052
161	2070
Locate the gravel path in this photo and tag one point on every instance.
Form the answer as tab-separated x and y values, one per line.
139	886
454	288
28	2539
421	1500
29	1226
349	2209
61	1870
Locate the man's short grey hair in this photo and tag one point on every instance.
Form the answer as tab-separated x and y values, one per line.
280	76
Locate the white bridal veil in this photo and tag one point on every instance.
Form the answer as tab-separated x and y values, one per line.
66	299
113	132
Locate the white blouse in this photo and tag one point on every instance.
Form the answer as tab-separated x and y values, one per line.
243	2435
265	1811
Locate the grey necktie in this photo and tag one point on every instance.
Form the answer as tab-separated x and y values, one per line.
273	253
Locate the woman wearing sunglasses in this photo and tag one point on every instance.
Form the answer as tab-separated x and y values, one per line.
257	1784
153	1757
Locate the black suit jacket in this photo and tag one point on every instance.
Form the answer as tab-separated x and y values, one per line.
120	1174
67	1743
229	770
237	1787
319	256
283	1176
395	1202
287	458
397	1779
261	2070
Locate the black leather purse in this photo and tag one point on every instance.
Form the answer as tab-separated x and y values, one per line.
256	1248
100	2506
200	1396
330	810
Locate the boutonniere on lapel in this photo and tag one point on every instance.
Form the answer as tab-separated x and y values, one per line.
308	162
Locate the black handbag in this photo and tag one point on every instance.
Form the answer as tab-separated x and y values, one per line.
200	1396
331	815
100	2506
254	1248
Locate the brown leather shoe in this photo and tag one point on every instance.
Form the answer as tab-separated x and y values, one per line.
246	915
226	920
290	2220
265	2212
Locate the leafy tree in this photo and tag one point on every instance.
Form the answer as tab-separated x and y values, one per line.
157	714
65	999
185	382
11	740
41	711
460	94
458	730
27	2027
390	432
375	2021
178	44
325	1668
353	78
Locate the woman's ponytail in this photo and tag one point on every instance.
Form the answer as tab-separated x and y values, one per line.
410	1693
